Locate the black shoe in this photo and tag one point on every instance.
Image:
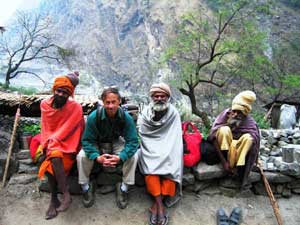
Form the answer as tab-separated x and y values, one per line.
236	216
222	218
89	196
122	197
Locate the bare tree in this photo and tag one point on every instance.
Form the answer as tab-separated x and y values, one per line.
205	49
28	39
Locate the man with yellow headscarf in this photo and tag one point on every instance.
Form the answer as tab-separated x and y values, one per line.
236	137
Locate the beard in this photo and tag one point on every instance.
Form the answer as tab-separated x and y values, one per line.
159	106
59	101
234	122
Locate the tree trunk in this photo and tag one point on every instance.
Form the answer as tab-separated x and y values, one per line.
7	78
203	115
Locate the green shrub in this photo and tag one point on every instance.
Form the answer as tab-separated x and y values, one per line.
260	120
32	129
204	131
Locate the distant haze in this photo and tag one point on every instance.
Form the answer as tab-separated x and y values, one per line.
8	8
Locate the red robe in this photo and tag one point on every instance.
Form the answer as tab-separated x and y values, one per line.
61	131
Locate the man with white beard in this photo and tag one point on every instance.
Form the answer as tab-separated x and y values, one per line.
161	155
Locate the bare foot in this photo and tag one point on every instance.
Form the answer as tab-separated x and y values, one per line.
153	214
66	202
160	212
51	211
162	217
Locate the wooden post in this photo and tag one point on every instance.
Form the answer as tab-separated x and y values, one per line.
12	141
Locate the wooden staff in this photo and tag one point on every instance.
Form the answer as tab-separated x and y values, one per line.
12	141
269	112
271	196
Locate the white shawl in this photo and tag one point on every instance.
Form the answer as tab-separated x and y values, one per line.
161	144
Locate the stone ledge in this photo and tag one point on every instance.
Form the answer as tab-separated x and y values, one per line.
22	179
206	172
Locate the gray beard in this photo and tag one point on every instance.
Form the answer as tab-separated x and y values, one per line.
159	107
234	122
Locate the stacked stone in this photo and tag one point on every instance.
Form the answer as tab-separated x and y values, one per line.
27	170
280	157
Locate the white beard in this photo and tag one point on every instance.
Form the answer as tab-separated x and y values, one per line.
159	107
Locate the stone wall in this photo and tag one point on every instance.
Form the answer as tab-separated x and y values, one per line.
279	158
16	163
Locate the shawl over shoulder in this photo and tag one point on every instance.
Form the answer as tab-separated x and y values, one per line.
61	128
161	144
247	126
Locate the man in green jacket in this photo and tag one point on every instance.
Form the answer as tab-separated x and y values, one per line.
110	138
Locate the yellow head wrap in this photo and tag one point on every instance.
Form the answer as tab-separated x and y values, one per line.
243	101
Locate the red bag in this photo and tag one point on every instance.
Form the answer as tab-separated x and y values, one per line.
35	147
192	141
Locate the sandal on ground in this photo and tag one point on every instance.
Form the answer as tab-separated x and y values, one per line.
222	218
171	201
152	218
164	220
235	216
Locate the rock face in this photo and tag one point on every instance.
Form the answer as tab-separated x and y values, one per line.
117	41
120	42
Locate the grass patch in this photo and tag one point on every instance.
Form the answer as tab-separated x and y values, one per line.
21	90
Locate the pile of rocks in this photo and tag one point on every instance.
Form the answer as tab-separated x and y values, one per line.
279	158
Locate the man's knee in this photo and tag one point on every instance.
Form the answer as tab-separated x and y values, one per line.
80	155
247	137
133	159
224	130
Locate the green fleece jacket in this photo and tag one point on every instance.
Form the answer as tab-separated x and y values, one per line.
109	130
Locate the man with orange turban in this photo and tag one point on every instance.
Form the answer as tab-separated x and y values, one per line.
62	124
236	137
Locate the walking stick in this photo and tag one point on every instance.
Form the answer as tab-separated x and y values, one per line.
271	196
12	141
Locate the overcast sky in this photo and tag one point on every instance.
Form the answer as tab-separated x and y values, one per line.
8	7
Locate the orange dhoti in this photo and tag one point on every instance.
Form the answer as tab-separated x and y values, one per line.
67	159
157	185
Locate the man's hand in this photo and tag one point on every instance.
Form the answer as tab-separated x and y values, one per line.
235	119
226	167
114	160
108	160
103	159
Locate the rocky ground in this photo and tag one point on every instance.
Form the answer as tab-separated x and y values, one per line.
25	205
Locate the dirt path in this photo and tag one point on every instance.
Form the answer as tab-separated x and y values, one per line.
28	207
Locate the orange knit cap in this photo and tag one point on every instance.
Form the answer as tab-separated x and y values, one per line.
65	83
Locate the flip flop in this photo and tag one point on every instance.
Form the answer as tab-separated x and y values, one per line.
235	216
49	217
222	218
164	220
152	218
